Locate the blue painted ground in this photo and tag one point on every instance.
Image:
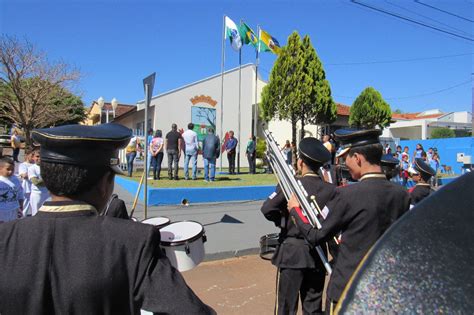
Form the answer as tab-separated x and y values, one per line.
174	196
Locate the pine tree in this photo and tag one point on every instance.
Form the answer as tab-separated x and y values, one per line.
370	110
298	89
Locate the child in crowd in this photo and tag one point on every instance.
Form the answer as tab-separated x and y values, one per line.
25	182
405	166
39	193
11	193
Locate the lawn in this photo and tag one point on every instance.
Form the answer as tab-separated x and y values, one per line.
224	180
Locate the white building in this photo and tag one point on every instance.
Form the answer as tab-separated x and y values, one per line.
200	103
420	125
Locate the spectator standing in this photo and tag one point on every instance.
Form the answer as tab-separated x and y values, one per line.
156	151
405	166
399	153
387	150
190	150
434	163
15	144
131	153
406	151
39	193
287	152
429	154
230	147
148	142
210	152
11	193
173	145
25	181
418	152
327	144
251	153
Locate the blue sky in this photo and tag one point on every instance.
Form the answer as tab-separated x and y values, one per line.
116	44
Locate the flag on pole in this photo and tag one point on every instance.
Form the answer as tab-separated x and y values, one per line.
268	43
248	35
232	32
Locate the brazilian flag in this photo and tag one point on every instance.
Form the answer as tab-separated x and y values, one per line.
248	35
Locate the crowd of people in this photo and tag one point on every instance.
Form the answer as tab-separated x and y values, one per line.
178	143
22	190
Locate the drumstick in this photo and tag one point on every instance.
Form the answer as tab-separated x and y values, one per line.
136	195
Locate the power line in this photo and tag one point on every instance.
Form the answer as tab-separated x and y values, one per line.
427	17
411	20
415	96
397	60
444	11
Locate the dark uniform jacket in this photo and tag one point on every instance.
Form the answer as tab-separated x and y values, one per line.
420	192
77	262
362	212
294	251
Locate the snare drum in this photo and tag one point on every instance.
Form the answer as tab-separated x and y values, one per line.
268	244
183	243
158	222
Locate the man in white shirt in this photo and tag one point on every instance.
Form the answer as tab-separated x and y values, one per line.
39	192
190	151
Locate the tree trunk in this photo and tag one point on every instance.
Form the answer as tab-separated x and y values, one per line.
28	140
302	134
293	140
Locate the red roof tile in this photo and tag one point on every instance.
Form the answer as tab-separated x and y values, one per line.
343	110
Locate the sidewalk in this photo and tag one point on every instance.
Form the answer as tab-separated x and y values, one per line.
242	285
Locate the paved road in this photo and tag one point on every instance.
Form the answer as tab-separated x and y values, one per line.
232	228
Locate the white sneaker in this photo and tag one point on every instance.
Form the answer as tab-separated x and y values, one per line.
150	178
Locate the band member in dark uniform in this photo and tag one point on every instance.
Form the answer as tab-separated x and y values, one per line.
389	166
69	260
362	211
300	271
422	188
116	208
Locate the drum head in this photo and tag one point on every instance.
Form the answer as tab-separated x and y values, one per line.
179	233
157	221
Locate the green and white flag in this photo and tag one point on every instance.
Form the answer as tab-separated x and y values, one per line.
232	32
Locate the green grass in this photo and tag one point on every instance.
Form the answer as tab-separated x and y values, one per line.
244	179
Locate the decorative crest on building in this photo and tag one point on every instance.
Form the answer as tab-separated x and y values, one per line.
203	99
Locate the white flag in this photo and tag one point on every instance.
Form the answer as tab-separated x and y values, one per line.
232	32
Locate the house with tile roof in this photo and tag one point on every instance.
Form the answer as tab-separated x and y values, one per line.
96	115
410	126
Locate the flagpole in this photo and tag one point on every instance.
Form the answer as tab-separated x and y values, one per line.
222	86
256	83
240	92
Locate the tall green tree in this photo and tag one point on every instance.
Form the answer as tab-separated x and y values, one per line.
439	133
34	92
319	107
297	89
370	110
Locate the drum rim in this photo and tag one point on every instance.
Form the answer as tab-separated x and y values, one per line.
159	216
270	236
183	242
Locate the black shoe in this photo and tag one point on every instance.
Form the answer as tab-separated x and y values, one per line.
176	178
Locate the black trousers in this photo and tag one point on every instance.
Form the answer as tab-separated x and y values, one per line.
173	157
305	283
231	159
156	162
251	158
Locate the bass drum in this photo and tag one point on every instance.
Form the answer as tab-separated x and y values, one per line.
183	243
158	222
268	244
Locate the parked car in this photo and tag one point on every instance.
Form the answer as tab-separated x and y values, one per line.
5	141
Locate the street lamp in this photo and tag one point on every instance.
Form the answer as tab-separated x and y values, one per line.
114	105
100	102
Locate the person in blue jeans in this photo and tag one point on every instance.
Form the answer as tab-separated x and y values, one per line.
190	150
131	152
210	152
